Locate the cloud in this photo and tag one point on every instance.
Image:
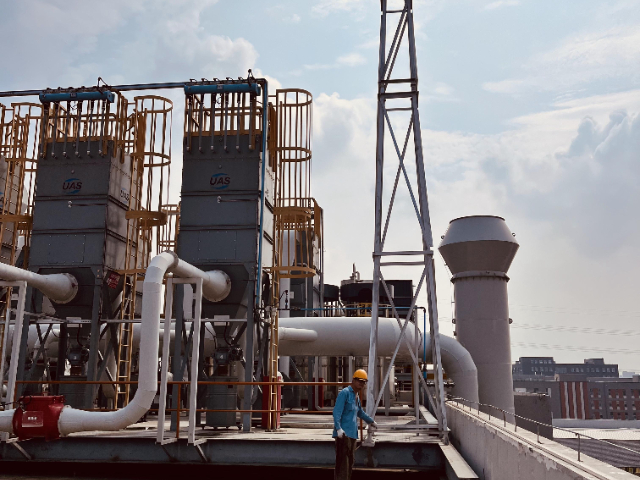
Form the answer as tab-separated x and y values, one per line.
163	40
579	60
502	3
348	60
351	60
565	179
293	18
327	7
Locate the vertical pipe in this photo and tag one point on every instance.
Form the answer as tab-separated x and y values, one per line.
18	333
43	131
91	106
387	388
252	120
225	119
265	99
248	371
54	138
189	121
239	118
177	354
200	121
212	128
92	364
103	124
66	130
195	358
62	352
33	296
416	371
79	119
3	346
165	361
424	331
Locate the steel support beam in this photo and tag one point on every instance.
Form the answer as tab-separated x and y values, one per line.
417	190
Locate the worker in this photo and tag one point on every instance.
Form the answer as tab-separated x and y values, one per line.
345	428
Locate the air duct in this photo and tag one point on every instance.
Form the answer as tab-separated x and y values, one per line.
215	283
59	287
349	336
479	250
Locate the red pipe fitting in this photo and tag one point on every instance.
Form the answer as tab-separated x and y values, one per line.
37	417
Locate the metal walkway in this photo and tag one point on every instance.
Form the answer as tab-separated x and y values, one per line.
305	441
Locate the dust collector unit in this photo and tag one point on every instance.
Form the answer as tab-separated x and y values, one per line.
479	250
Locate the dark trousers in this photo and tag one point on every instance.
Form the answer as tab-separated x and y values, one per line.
345	450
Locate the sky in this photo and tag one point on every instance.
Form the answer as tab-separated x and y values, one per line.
528	110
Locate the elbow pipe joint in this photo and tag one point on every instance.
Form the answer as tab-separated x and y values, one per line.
61	287
216	286
58	287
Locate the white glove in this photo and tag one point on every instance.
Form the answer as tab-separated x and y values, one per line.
373	426
340	433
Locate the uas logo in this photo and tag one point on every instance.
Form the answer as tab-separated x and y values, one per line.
220	181
71	186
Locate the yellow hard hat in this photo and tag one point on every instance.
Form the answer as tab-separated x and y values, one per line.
360	374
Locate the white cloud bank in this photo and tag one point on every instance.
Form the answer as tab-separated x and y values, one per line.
566	180
579	60
501	3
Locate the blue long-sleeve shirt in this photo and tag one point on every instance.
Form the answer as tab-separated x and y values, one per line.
346	412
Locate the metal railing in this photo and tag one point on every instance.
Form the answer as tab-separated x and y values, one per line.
488	408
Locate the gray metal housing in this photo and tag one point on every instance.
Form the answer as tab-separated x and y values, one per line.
220	221
79	224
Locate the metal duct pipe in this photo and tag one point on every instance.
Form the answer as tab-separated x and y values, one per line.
297	334
479	250
6	421
59	287
349	336
72	420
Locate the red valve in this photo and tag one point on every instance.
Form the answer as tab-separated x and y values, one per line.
37	417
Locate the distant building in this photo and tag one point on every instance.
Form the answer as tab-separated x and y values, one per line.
582	391
534	366
618	399
546	366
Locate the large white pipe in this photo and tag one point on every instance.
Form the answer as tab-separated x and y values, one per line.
72	420
349	336
6	421
59	287
216	285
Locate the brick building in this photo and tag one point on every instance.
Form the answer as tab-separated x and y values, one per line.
585	391
617	399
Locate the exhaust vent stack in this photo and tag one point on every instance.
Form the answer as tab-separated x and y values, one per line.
479	251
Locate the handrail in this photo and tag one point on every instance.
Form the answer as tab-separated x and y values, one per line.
538	424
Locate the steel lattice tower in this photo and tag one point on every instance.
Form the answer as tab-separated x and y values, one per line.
404	92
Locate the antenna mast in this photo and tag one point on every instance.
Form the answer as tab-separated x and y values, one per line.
403	92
